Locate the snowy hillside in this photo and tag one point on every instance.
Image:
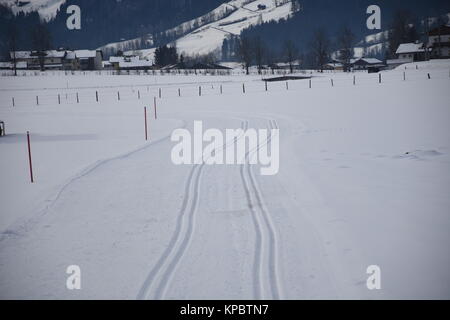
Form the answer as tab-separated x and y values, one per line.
47	9
205	34
209	38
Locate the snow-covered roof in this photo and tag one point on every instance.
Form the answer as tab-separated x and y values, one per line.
335	64
134	64
410	48
113	59
55	54
371	60
84	54
366	60
398	61
70	55
286	64
33	54
127	58
21	54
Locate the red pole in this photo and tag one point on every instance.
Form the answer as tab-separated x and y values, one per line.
154	103
145	121
29	157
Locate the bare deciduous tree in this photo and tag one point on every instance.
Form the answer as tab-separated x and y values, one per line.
290	53
41	41
320	49
12	44
346	40
245	53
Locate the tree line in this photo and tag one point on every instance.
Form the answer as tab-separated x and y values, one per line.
314	48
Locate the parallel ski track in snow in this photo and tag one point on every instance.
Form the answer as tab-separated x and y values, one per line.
180	240
262	221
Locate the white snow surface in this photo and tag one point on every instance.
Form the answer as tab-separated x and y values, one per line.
364	180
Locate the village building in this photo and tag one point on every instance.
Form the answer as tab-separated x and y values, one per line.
26	57
365	63
21	65
59	59
70	61
407	53
89	59
135	65
414	51
296	65
127	62
439	42
336	66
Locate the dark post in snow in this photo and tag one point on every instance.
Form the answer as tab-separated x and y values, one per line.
354	79
287	86
59	99
160	93
179	92
199	91
29	157
404	76
145	122
265	82
154	106
429	77
243	88
220	89
332	84
379	78
13	102
96	96
118	96
310	83
37	100
139	95
78	100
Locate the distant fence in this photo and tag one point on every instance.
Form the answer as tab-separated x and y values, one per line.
144	93
187	72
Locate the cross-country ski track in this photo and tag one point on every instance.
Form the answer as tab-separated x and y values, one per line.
363	180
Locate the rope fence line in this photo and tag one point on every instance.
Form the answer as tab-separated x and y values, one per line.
143	92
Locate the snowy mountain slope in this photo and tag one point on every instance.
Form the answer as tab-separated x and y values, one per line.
47	9
209	38
205	34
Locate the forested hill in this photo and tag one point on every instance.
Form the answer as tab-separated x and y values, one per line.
106	20
331	16
109	21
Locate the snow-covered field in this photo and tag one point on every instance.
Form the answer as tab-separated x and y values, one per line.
364	180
